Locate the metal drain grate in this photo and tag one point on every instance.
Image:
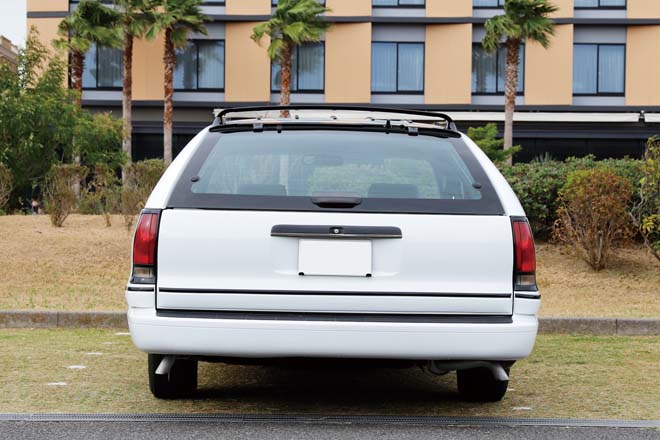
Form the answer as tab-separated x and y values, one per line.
330	419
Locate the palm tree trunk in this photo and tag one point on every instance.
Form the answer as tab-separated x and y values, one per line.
77	65
127	97
285	85
170	60
510	90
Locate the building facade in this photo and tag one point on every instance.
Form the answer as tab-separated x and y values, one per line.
596	90
8	51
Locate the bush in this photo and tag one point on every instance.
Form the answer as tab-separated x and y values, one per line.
5	185
537	185
103	194
59	191
140	178
486	138
646	212
593	214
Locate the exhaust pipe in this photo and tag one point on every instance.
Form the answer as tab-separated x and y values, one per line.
165	365
443	367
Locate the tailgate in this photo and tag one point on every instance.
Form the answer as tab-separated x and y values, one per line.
223	260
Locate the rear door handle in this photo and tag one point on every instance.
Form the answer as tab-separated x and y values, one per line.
336	231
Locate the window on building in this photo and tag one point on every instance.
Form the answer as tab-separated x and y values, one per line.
103	68
200	66
594	4
397	67
274	2
599	69
394	3
307	69
489	70
488	3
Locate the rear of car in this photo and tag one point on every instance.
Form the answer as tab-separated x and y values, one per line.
381	238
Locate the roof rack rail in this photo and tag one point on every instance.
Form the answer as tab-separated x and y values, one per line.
221	117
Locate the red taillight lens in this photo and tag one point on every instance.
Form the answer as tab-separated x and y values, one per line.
524	247
144	245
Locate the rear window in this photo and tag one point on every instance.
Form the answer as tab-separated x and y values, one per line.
286	170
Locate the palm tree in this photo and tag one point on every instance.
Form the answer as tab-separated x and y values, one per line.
91	23
135	17
523	20
176	19
293	23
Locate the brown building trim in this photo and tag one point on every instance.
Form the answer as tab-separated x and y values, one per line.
47	14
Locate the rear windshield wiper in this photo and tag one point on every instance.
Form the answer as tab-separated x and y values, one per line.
336	200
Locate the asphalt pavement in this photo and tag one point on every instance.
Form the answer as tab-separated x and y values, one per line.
66	430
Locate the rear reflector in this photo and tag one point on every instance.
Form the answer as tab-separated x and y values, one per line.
144	245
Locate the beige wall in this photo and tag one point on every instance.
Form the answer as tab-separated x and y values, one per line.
148	70
247	75
448	8
47	5
248	7
566	8
643	8
549	72
643	65
349	7
448	65
47	28
348	63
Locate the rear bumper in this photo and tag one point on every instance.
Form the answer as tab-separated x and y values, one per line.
280	338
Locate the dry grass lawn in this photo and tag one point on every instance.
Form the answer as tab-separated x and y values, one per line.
81	266
84	266
566	376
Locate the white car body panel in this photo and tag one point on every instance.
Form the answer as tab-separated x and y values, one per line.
379	340
226	261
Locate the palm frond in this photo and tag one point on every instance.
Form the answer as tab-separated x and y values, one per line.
522	20
294	22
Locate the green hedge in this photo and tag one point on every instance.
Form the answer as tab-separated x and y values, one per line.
537	185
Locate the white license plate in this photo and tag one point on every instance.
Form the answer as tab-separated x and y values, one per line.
350	258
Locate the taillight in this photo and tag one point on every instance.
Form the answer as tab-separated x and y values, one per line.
144	248
524	276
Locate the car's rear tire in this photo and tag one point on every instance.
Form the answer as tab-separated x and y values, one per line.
180	382
480	385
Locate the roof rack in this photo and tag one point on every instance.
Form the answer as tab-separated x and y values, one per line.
381	113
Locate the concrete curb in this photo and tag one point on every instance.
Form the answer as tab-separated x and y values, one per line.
575	326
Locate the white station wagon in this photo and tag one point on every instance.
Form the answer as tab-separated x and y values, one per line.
333	232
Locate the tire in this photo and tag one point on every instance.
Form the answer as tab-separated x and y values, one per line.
181	382
479	385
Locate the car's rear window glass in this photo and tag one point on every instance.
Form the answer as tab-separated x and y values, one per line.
389	172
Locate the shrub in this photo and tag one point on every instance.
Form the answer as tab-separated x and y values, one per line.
486	138
646	212
140	178
5	185
537	185
593	214
103	193
59	191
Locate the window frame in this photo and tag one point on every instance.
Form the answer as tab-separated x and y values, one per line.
599	7
297	90
499	6
520	77
625	63
398	5
273	3
196	42
397	91
96	58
